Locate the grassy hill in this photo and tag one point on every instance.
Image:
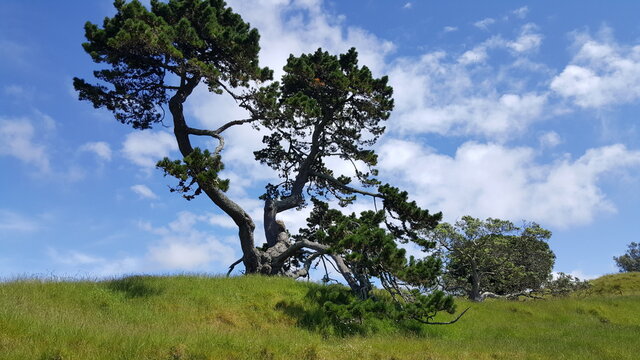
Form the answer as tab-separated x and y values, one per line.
192	317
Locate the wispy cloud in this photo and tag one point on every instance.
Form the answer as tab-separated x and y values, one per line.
521	13
484	23
100	148
13	222
144	191
448	29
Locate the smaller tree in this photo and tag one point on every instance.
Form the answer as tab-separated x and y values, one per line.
630	261
493	257
564	285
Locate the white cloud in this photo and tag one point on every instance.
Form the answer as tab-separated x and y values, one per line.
433	95
17	140
529	40
584	276
407	5
466	94
14	90
484	23
302	26
550	139
491	180
74	258
521	13
12	222
144	191
179	246
222	220
601	73
15	53
183	247
475	55
448	29
100	148
146	148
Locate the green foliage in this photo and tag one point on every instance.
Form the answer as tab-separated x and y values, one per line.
494	256
564	285
630	261
325	106
370	251
174	41
198	169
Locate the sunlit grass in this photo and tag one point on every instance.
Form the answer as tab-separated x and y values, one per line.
252	317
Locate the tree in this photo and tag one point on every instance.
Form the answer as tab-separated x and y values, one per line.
494	257
325	106
630	261
564	284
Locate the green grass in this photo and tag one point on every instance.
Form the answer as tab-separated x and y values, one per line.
250	317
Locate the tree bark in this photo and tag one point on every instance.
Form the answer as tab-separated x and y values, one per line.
241	218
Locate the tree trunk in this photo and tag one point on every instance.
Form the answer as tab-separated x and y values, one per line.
246	226
474	294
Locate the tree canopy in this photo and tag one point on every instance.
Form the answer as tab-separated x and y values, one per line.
630	261
493	256
324	106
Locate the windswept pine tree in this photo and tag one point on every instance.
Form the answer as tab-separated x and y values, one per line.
325	106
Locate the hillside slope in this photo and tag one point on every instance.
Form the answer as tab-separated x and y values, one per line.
193	317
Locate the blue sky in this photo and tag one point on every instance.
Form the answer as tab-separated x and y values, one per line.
524	111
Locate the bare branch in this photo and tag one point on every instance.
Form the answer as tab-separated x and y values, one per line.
234	122
234	265
300	244
307	265
444	323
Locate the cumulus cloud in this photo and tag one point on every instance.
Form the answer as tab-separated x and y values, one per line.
491	180
601	73
182	246
437	95
467	94
301	26
17	139
144	191
145	148
100	148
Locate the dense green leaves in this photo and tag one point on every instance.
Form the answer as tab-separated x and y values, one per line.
197	170
373	254
630	261
494	256
327	106
152	53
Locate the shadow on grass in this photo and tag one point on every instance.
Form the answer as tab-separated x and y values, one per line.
314	314
134	287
